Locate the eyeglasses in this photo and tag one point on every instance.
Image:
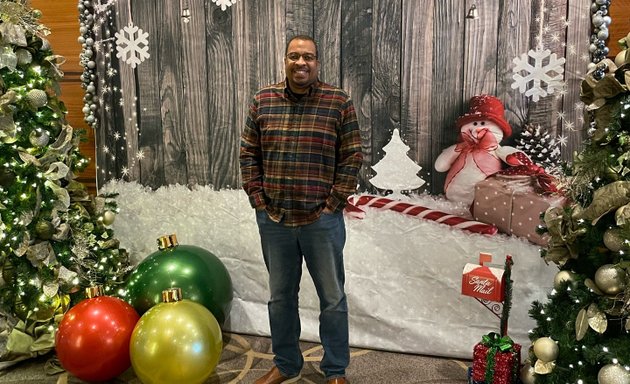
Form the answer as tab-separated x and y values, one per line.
294	56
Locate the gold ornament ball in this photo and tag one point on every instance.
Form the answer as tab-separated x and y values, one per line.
109	217
37	98
44	229
561	277
614	240
527	374
610	279
546	349
178	342
613	374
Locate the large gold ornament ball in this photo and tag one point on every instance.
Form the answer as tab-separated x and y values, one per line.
177	342
614	240
109	217
561	277
546	349
610	279
527	374
613	374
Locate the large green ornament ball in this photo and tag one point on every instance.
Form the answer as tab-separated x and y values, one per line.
200	274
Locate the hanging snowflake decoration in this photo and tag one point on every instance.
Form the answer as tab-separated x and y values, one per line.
547	68
224	3
132	45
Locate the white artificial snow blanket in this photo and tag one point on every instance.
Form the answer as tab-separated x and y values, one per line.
403	273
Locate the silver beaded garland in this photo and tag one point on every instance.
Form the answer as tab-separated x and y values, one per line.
600	21
88	78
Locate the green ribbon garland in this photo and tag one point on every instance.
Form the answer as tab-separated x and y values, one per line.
495	343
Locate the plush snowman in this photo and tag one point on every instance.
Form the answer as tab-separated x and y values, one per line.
478	153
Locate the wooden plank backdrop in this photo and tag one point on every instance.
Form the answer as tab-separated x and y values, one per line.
408	65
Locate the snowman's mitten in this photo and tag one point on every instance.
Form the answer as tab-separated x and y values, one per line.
517	158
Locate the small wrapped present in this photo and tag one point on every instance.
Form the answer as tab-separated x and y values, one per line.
496	360
483	282
513	204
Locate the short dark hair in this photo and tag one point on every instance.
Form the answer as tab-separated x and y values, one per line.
301	37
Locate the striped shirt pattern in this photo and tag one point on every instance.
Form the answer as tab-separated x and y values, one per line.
299	156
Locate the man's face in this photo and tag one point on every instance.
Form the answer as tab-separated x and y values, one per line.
301	65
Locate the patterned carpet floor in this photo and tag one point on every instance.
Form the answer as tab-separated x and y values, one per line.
246	357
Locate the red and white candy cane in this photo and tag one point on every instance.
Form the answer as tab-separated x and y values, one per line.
352	209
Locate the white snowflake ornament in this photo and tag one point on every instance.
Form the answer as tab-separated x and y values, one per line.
542	71
132	45
224	3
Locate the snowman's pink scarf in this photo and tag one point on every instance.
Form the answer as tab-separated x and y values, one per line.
480	151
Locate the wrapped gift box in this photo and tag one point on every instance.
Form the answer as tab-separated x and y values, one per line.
512	204
496	360
483	282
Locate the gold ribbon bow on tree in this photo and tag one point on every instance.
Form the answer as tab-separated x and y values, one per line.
599	90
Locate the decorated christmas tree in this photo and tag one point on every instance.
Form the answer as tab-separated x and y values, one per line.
55	238
581	333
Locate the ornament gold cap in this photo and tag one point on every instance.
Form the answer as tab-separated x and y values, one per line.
172	295
93	291
167	241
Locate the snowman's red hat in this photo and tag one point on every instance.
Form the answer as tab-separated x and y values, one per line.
486	107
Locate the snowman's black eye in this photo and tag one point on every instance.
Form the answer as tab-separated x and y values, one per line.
475	123
483	123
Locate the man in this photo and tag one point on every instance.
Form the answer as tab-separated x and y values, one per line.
300	155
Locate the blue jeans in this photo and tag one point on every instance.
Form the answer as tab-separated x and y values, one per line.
320	245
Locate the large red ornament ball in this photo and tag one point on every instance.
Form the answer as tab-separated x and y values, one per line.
92	342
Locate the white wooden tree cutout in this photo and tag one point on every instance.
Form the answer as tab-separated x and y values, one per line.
396	171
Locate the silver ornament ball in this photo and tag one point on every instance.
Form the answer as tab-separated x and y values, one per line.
39	138
598	20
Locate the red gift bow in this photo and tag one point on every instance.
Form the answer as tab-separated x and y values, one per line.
521	164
